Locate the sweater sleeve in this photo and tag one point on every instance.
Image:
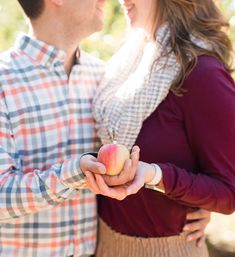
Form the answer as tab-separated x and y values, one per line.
208	109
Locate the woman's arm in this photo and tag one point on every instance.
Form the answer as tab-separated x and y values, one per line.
208	109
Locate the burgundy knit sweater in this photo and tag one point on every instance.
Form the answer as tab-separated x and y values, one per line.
192	138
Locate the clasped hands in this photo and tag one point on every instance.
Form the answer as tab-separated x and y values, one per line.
130	180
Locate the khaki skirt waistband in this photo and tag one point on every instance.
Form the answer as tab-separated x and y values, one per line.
113	244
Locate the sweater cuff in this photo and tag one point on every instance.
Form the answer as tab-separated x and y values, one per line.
158	176
167	178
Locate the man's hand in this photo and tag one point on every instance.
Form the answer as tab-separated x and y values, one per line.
90	163
196	228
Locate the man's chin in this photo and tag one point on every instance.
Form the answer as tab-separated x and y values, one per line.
98	26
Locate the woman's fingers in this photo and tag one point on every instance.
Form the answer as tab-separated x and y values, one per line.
97	185
135	155
136	184
91	182
117	192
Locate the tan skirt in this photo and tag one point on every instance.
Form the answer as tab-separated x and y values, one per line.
113	244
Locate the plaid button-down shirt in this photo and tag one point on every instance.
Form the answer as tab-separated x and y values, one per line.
45	124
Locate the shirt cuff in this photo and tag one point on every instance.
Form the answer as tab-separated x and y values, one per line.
72	176
168	177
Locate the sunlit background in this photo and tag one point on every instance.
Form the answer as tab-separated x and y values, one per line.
221	231
102	44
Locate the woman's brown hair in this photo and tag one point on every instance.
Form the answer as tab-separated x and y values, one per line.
202	18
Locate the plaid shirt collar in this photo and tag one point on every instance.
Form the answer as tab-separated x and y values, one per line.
41	52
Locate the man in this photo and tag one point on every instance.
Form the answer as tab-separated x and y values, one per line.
45	125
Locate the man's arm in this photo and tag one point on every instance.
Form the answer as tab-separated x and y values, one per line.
23	193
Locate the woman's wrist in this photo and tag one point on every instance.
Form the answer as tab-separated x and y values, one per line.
156	175
149	172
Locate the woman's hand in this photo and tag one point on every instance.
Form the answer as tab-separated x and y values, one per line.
196	228
144	174
133	177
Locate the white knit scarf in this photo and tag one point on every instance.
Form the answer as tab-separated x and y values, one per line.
134	85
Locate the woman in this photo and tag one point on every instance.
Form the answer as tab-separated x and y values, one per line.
170	93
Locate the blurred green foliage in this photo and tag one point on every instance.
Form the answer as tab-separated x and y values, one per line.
105	43
102	44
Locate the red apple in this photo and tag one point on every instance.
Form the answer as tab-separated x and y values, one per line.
113	156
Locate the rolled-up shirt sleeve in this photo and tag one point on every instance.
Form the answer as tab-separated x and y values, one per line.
23	193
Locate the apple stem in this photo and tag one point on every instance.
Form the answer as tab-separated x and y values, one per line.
113	137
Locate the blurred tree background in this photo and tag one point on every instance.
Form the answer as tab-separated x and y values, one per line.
102	44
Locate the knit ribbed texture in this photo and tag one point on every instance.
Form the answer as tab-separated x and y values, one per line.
113	244
136	81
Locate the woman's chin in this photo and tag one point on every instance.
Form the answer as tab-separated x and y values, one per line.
135	25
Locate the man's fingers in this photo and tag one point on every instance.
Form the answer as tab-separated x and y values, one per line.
195	235
196	225
196	228
97	185
201	219
89	162
101	184
198	214
200	241
110	180
96	167
91	189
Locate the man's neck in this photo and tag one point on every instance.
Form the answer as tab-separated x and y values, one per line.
57	38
